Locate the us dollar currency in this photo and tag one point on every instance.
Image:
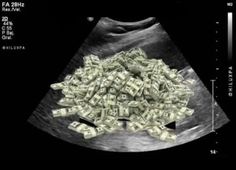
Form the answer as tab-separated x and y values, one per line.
128	88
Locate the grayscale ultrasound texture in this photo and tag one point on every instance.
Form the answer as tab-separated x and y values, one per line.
107	38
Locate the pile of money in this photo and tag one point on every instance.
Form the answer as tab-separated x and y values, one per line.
126	91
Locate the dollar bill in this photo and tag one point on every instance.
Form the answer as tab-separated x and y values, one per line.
128	85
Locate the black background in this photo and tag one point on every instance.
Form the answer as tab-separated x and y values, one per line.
53	32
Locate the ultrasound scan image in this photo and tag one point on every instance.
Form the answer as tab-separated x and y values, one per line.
108	38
